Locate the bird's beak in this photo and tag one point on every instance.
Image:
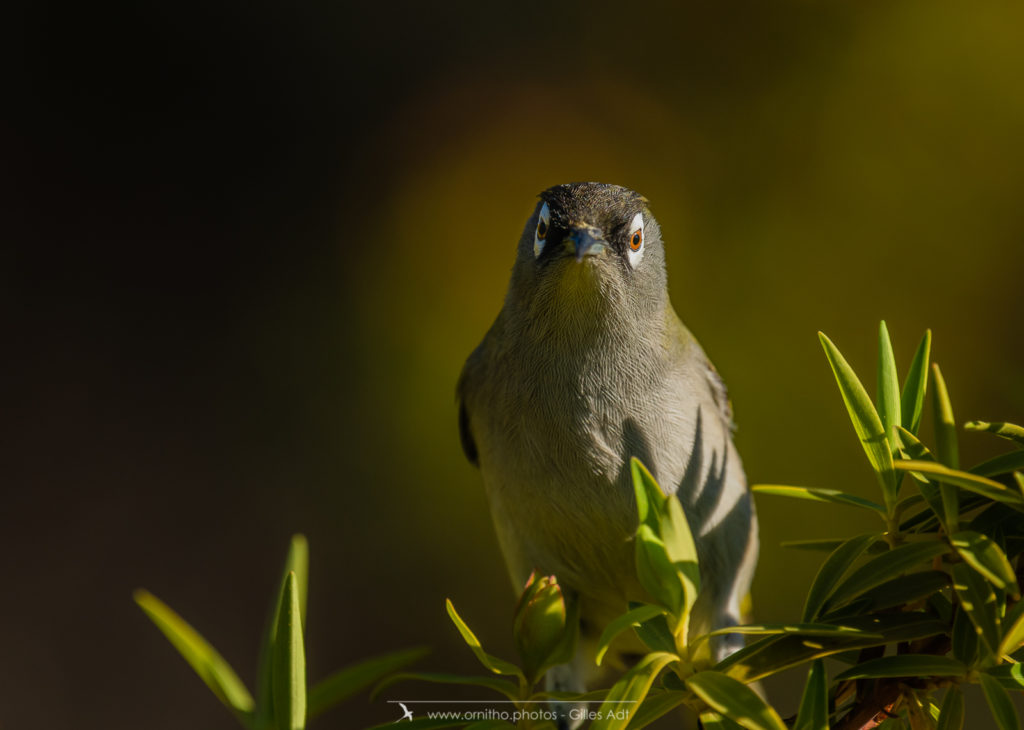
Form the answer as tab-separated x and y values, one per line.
585	241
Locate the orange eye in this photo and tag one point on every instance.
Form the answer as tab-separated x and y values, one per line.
636	240
542	230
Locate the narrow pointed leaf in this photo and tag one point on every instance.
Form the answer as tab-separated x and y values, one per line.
656	634
986	557
815	494
289	683
979	600
811	629
831	571
964	638
813	714
897	592
1010	431
656	572
951	716
657	705
830	544
711	720
865	420
966	480
649	497
1013	630
905	665
1002	464
681	548
297	562
778	653
632	618
201	656
346	682
493	663
999	702
630	691
735	700
502	686
880	569
915	386
888	387
947	451
1010	676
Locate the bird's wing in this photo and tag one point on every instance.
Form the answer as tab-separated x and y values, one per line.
719	393
690	351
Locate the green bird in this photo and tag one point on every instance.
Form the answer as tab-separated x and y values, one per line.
586	366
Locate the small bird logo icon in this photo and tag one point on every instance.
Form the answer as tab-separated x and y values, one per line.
406	710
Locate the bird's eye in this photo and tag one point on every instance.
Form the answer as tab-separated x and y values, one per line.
636	240
541	234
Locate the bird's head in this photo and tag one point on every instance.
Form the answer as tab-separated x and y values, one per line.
590	251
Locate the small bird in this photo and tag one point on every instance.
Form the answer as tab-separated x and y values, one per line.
586	366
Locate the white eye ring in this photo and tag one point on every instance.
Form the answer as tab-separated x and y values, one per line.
540	234
635	242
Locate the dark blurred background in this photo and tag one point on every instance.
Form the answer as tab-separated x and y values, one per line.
247	247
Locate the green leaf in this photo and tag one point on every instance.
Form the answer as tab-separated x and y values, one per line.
778	653
297	562
289	683
945	425
982	554
1002	464
1010	676
796	629
813	714
898	591
947	450
1013	633
735	700
865	420
964	637
657	705
649	497
493	663
346	682
634	617
876	571
682	551
831	571
999	702
713	721
630	691
905	665
951	716
1010	431
819	495
979	600
656	573
888	388
491	725
201	656
501	686
830	544
656	634
915	385
967	480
